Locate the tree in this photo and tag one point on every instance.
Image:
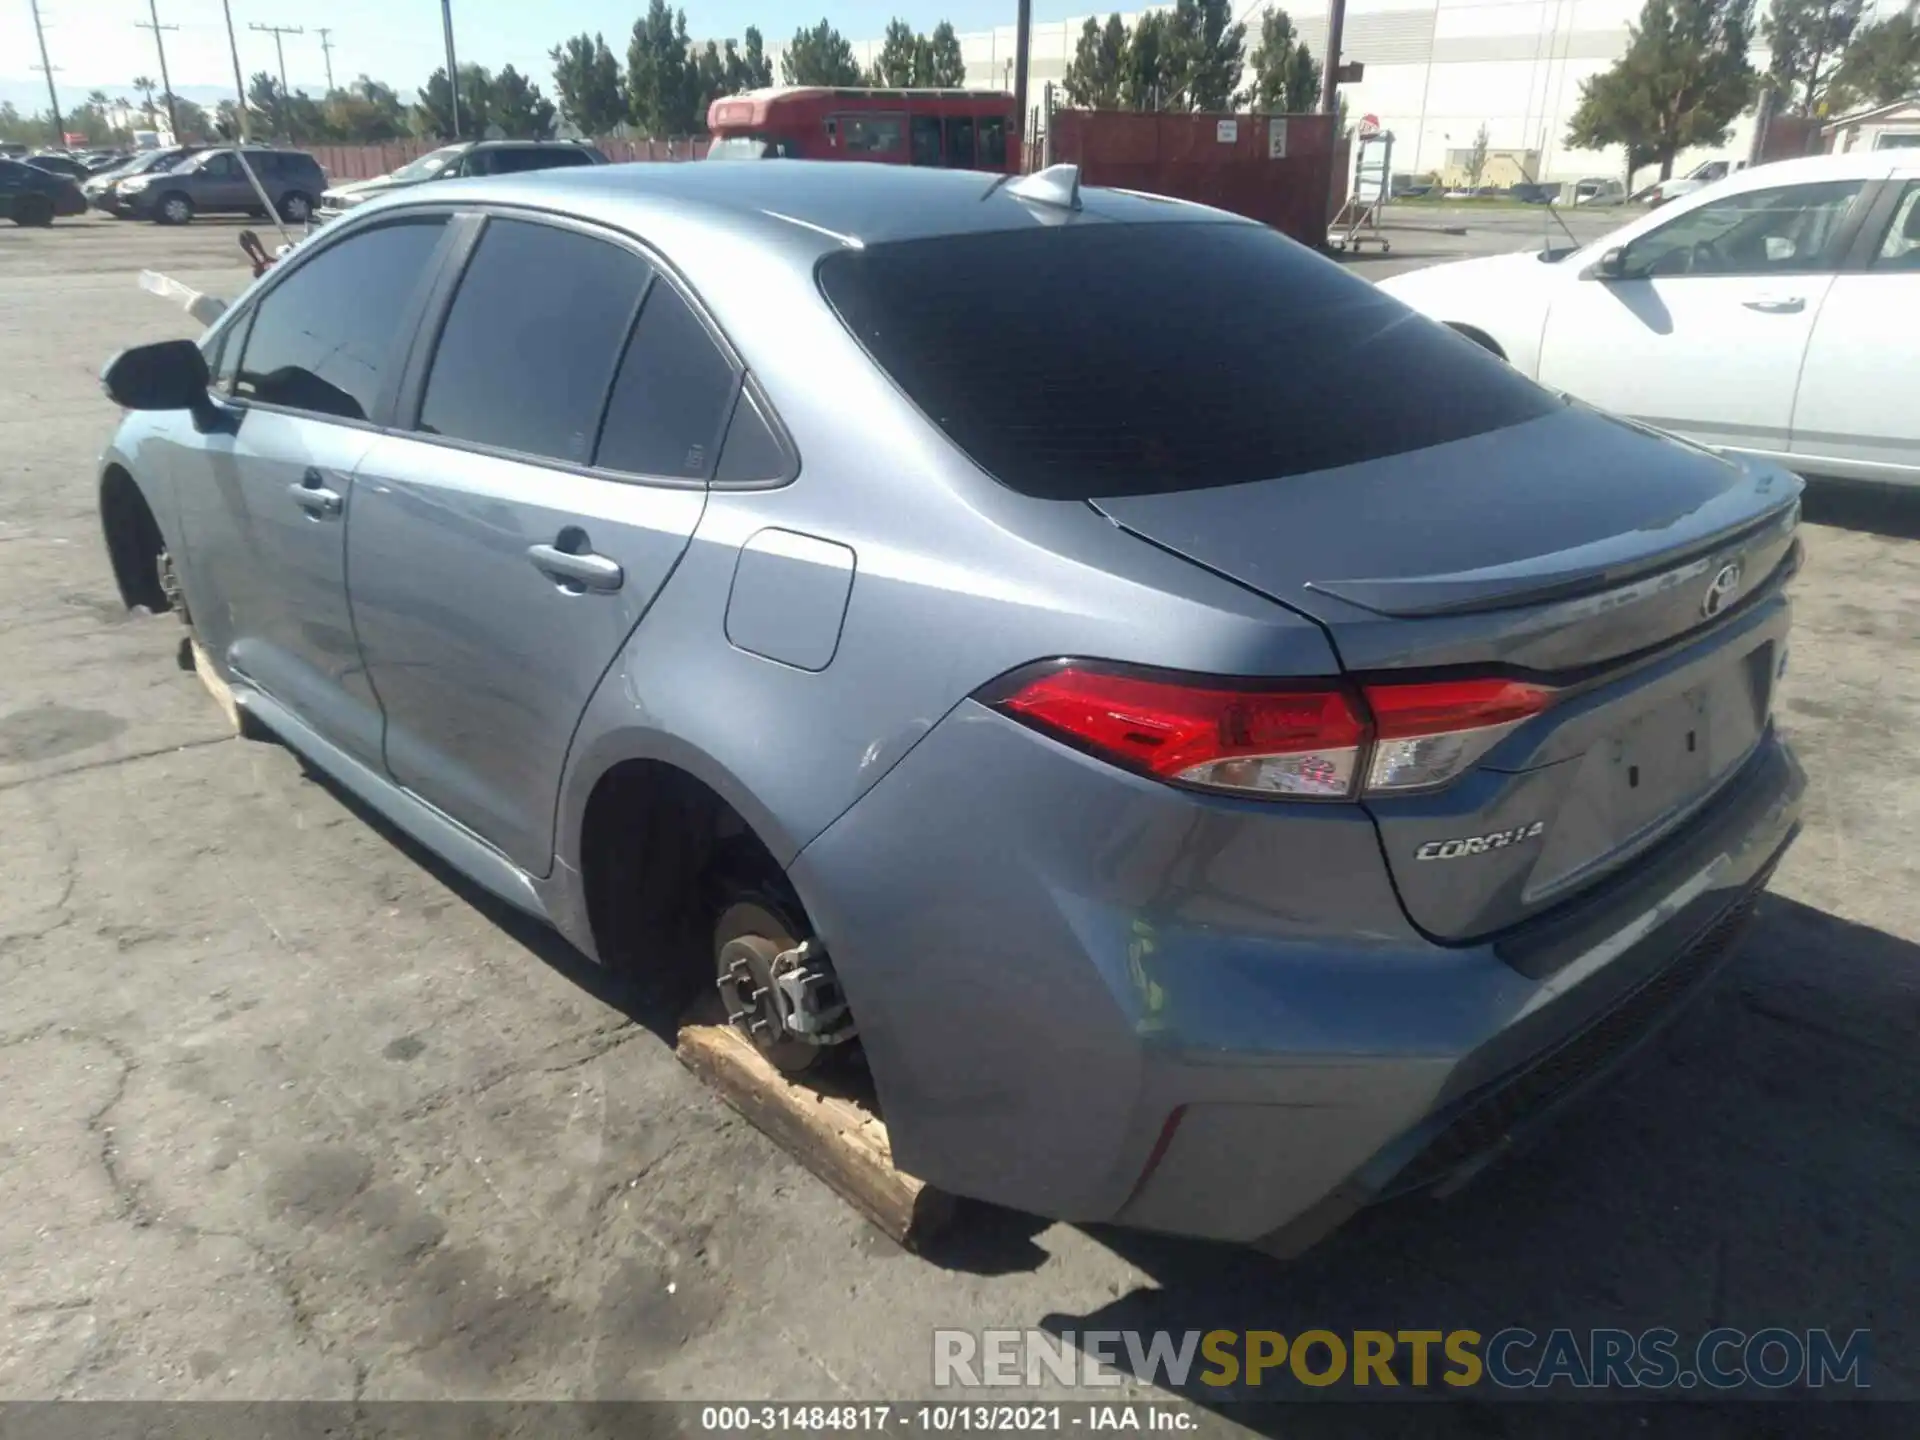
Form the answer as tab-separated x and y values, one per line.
661	82
146	88
710	78
1146	78
1207	50
1806	40
756	71
264	96
432	116
820	56
586	77
192	121
1683	79
518	107
941	63
1477	158
894	65
1286	77
1882	64
1092	81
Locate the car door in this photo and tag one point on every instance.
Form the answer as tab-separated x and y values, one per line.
219	184
1855	415
1703	328
560	445
266	485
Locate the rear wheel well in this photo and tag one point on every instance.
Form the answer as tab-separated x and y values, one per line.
1478	337
661	854
134	542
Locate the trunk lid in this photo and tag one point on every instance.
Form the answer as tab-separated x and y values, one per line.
1639	574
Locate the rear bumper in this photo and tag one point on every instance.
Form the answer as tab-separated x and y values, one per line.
1098	998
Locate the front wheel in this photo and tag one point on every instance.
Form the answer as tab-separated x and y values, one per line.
174	209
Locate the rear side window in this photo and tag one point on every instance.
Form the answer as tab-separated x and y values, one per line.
1088	360
531	342
324	338
560	155
671	396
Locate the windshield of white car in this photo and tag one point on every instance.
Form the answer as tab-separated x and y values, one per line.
428	166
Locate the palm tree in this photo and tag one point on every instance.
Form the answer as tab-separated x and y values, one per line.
144	84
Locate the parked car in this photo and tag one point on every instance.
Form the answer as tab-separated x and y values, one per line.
102	188
1598	190
1528	193
212	183
56	163
1772	314
1185	828
470	158
1661	191
30	195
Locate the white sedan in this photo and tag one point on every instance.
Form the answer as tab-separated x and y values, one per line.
1775	312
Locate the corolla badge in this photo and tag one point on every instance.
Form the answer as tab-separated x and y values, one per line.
1479	844
1721	590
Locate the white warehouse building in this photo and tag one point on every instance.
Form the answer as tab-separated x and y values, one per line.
1435	73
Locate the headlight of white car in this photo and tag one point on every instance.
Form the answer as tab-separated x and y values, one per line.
137	182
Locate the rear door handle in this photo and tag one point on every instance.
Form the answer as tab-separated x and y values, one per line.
313	496
1777	304
587	570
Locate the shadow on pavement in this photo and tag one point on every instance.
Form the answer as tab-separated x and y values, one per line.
1757	1166
1889	510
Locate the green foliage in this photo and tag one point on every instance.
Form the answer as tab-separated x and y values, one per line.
518	107
1207	50
1146	72
587	80
663	95
1882	64
1286	77
756	71
1683	79
1806	40
1477	157
820	56
432	116
1093	77
908	58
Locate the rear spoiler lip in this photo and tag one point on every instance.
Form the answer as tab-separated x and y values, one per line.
1590	570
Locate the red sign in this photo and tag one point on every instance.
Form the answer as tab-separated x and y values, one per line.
74	137
1369	125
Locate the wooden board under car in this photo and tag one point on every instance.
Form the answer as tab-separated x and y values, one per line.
833	1131
216	687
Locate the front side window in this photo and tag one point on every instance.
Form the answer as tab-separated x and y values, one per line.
1901	249
531	341
324	339
220	166
1788	229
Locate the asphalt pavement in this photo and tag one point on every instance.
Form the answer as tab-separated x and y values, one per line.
292	1112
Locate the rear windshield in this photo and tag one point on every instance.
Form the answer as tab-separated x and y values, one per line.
1087	360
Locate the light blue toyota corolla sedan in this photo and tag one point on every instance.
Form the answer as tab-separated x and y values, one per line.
1217	746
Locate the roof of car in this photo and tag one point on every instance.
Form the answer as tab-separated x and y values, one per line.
810	205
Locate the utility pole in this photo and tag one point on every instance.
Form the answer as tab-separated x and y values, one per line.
166	85
453	70
326	48
279	50
239	85
53	95
1330	75
1022	50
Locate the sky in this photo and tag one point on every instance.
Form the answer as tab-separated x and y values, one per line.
94	44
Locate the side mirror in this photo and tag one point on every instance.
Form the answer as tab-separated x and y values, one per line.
1610	266
171	375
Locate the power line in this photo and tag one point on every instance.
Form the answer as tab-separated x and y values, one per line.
53	95
166	84
326	48
279	32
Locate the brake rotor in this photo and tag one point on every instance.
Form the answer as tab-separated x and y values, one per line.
745	978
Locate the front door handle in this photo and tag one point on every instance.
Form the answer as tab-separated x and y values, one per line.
584	569
1777	304
313	496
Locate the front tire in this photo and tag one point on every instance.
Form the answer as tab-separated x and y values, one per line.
174	209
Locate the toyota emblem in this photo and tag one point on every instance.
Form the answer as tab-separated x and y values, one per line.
1720	593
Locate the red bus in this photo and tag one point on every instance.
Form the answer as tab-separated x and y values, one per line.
954	129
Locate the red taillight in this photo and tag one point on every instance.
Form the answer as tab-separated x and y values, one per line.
1301	741
1297	741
